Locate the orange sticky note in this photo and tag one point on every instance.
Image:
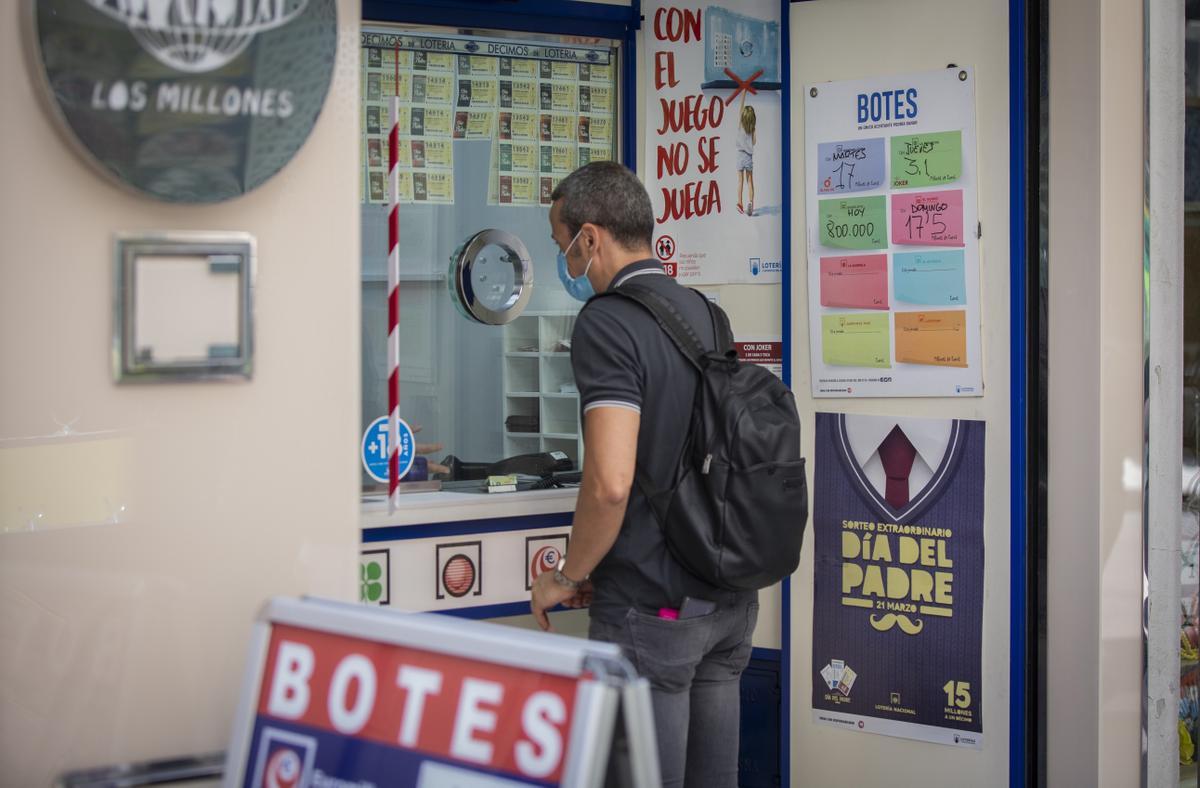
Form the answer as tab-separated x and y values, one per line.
935	338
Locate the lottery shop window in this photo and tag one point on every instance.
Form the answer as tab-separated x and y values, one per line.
486	124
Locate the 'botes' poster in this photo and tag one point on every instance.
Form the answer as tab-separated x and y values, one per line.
714	150
893	236
898	581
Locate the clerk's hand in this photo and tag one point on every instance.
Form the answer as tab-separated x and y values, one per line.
431	448
545	595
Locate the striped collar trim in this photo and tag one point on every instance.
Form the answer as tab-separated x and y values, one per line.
636	269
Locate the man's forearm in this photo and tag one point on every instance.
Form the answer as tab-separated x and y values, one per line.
597	522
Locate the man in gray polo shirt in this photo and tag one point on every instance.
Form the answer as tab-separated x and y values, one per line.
636	392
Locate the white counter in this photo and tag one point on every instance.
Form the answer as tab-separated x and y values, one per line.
441	507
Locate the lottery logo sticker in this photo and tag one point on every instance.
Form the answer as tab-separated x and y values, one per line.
375	449
285	759
542	554
459	569
375	577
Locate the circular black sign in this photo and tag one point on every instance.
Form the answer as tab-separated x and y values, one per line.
192	101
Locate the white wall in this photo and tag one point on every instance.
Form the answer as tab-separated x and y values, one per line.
127	641
850	39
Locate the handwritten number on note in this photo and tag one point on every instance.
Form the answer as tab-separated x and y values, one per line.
916	226
845	172
852	230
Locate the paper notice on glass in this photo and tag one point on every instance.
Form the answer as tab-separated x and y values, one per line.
435	186
564	71
562	127
851	166
524	125
590	153
601	129
524	156
933	278
524	94
372	120
546	186
928	218
519	68
433	88
474	125
390	88
476	93
766	351
855	282
854	223
932	338
562	158
432	121
427	61
431	153
855	340
599	73
600	98
524	189
564	97
478	65
387	58
375	153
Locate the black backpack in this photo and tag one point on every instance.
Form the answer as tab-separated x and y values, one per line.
736	514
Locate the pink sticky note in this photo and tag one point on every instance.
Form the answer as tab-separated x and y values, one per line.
855	281
928	218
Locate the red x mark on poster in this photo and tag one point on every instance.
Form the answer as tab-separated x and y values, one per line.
742	84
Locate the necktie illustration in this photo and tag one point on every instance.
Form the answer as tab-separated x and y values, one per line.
897	454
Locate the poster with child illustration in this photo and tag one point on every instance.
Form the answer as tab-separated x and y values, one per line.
714	156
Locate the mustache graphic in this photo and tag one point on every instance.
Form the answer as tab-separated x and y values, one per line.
888	620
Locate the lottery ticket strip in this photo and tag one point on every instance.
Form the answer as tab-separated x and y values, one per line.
546	112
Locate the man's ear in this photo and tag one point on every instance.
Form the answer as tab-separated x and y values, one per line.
593	234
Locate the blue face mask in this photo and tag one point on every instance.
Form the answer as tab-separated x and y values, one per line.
580	288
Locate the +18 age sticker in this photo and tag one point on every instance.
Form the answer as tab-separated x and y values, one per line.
375	448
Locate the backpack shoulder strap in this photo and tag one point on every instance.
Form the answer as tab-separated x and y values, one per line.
667	315
721	329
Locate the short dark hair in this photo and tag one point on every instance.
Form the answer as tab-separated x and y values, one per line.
607	194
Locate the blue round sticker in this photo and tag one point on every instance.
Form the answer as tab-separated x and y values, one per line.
375	449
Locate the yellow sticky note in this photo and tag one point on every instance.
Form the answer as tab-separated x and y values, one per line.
855	340
935	338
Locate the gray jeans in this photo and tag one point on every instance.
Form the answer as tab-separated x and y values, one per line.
694	667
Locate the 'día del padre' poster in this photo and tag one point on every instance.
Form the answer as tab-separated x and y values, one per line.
898	580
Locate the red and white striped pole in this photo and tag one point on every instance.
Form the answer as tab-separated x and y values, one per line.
393	343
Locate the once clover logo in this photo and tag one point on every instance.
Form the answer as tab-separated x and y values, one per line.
198	35
371	589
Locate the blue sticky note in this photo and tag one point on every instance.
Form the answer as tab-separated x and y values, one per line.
934	278
850	166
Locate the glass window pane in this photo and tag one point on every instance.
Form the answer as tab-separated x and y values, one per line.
488	124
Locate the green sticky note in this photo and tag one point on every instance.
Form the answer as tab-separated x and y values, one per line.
854	223
920	160
855	340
